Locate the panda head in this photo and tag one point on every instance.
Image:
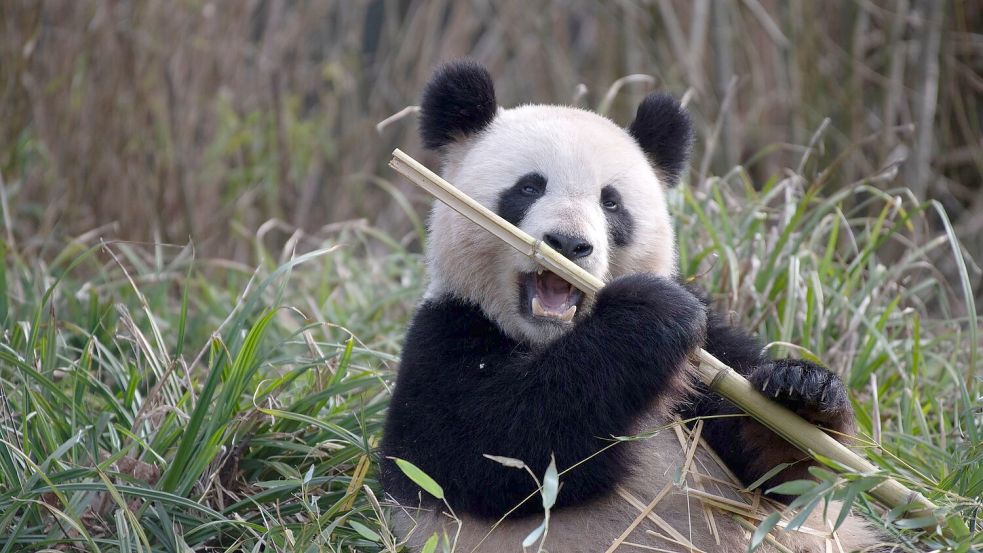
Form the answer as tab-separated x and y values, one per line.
592	190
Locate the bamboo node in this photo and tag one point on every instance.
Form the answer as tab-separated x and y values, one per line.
536	254
719	376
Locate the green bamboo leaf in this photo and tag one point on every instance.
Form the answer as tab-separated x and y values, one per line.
822	474
846	504
896	512
918	522
446	542
793	487
364	531
758	537
431	544
958	526
768	475
800	519
420	478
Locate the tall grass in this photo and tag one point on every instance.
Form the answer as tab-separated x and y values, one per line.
155	400
163	120
804	266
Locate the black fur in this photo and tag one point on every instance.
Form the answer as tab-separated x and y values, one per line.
748	448
620	223
458	101
465	389
514	203
802	386
664	131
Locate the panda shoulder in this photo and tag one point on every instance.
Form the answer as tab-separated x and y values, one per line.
447	324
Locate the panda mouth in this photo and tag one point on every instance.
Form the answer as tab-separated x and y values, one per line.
548	297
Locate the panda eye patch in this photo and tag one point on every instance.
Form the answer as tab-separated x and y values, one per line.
620	222
515	201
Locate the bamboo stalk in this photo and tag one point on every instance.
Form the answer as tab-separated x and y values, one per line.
712	372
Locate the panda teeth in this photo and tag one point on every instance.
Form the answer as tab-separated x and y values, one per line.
567	315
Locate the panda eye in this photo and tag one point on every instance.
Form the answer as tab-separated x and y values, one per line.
610	199
531	185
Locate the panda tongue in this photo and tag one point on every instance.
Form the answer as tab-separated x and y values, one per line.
552	290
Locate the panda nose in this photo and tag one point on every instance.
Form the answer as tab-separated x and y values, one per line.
571	247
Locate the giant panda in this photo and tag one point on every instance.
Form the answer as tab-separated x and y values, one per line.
503	358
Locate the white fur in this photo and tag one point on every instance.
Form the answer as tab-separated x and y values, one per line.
579	152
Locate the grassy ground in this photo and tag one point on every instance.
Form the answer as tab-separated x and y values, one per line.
237	407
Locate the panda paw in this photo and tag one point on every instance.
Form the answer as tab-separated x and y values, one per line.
655	305
808	389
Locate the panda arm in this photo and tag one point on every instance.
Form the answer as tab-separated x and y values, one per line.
749	449
465	390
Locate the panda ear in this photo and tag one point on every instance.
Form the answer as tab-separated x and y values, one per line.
664	131
458	101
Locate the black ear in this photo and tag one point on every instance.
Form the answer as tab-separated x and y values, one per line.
458	101
664	131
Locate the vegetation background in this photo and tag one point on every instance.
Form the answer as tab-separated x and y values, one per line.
168	120
163	163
